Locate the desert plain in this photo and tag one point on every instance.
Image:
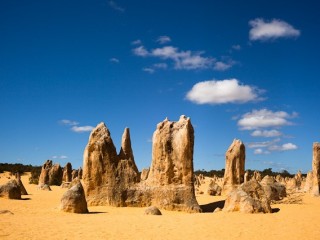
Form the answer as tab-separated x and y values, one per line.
37	216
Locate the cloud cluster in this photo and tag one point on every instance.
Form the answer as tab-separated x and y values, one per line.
115	6
265	118
269	30
221	92
182	60
75	126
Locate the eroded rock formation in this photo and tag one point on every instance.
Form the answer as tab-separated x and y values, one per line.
234	170
248	198
113	179
316	169
67	173
10	190
50	174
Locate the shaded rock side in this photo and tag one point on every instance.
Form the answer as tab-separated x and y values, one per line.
171	173
234	168
10	190
106	175
55	175
67	173
248	198
20	184
316	169
274	190
74	200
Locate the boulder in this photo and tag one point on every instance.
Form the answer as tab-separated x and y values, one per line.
67	173
74	200
214	189
234	168
10	190
248	198
274	191
152	211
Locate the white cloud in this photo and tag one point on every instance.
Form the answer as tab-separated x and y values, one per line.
263	144
140	51
220	92
187	60
115	6
68	122
264	118
114	60
266	133
221	66
80	129
260	151
59	157
264	30
164	39
136	42
283	147
148	70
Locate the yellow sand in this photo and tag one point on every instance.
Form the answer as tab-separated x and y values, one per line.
37	217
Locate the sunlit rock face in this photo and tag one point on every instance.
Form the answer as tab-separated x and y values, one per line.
316	169
235	164
113	179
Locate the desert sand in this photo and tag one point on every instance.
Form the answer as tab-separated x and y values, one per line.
37	216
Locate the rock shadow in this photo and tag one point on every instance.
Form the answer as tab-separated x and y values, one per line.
95	212
275	210
210	207
25	198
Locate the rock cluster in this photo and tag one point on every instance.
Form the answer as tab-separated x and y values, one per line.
113	179
234	169
50	174
248	198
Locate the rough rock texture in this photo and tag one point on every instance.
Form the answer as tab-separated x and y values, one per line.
106	175
171	175
20	184
74	174
114	179
246	176
55	175
248	198
214	189
44	175
308	184
234	170
274	191
74	200
144	174
256	176
316	169
67	173
50	174
10	190
152	211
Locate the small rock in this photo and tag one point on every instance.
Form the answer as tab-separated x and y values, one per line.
217	210
152	211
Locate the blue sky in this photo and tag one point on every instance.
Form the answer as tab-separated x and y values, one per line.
238	69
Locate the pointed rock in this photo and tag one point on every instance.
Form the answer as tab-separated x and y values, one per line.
20	184
44	175
10	190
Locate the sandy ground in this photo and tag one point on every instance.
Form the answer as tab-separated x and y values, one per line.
37	217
